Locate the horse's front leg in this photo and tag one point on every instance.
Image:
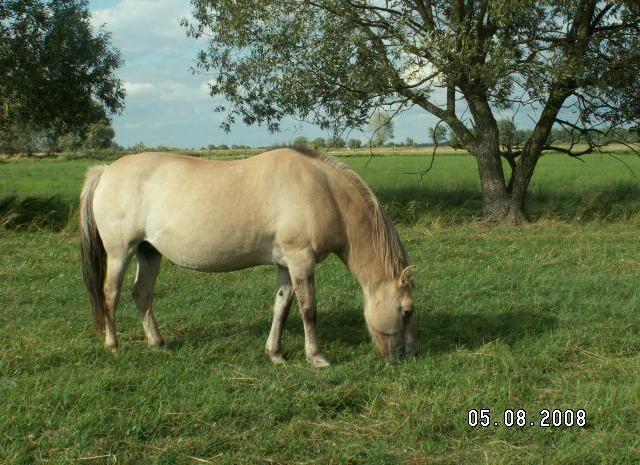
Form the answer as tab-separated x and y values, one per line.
284	298
304	286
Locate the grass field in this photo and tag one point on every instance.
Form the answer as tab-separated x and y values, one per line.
538	317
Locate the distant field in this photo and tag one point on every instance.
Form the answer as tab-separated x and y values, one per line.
537	317
601	188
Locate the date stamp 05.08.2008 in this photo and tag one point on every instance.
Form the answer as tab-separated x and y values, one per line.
520	418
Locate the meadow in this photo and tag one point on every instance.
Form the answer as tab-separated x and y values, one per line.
543	316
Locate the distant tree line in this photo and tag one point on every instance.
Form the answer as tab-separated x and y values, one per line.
226	147
26	139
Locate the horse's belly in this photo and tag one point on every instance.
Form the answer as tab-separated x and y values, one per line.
209	254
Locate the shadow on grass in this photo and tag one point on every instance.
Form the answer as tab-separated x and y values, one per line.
50	213
439	332
620	201
445	332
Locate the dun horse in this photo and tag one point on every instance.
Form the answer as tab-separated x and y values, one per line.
281	207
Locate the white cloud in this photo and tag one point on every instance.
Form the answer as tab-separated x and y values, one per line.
418	73
205	86
137	88
145	26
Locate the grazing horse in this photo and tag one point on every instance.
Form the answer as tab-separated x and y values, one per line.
282	207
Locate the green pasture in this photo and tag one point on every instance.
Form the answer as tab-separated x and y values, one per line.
539	317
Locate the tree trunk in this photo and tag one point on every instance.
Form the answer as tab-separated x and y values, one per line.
500	204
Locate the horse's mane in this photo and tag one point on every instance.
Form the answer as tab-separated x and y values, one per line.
386	242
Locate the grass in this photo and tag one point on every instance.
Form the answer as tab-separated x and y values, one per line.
543	316
44	192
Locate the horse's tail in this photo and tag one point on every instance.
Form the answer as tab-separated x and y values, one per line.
94	257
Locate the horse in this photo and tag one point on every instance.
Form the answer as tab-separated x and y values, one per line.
284	207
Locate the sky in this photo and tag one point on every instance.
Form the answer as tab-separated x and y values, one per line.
167	104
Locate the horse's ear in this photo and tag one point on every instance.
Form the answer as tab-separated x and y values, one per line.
406	277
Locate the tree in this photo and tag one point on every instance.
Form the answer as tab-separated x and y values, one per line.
318	142
355	143
508	134
138	147
300	142
272	59
100	136
409	142
14	139
439	134
336	143
381	127
54	68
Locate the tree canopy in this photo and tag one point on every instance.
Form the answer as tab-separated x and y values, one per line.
55	67
335	62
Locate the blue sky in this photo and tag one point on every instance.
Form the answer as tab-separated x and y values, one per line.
167	104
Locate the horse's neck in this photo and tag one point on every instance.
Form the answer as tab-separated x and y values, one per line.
363	261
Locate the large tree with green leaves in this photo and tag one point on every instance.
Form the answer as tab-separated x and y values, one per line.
57	74
334	62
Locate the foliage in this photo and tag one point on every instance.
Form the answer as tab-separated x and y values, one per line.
439	134
14	139
354	143
100	136
300	142
525	46
318	142
138	147
21	139
509	136
335	142
381	128
409	142
54	67
222	147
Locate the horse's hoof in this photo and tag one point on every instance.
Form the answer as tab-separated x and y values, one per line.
157	344
113	349
276	358
318	361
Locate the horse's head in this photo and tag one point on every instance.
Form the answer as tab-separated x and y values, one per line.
391	319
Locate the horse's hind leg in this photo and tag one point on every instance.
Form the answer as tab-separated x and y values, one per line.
284	298
116	267
146	274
